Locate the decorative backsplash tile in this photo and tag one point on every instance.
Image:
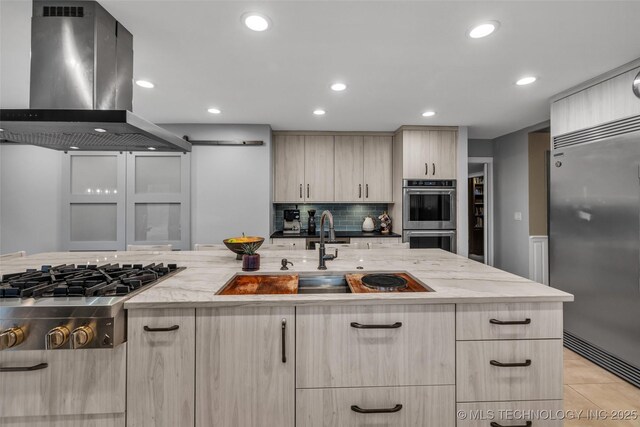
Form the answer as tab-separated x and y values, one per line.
346	217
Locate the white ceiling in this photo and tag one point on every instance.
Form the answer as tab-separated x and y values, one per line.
399	59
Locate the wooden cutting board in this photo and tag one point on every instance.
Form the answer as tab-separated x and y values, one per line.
267	284
357	287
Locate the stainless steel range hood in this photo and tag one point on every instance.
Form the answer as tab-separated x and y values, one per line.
82	85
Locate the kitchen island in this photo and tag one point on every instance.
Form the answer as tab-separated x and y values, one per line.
484	340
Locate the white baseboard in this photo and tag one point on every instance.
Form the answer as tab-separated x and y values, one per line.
539	259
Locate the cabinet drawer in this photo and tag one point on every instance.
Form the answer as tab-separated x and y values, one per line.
541	413
416	348
479	379
336	407
74	382
508	321
161	363
289	243
100	420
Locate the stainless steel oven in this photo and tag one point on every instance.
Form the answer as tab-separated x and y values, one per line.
431	239
429	205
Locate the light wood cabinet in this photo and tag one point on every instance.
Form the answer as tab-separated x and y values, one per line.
292	243
319	168
349	174
245	360
364	166
337	407
481	414
289	168
95	384
161	364
508	321
378	169
98	420
327	168
429	154
409	345
507	370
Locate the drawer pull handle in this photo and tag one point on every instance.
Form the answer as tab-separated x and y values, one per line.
495	424
26	368
510	365
284	340
361	326
356	408
510	322
169	329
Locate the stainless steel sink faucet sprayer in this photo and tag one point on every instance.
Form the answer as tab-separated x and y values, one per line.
332	237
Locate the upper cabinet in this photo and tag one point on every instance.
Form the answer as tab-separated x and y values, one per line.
289	168
327	168
319	168
429	154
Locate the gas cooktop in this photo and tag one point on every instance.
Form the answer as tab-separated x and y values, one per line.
69	280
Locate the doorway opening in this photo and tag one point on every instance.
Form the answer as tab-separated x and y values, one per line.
480	209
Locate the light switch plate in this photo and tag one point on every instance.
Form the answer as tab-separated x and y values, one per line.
517	216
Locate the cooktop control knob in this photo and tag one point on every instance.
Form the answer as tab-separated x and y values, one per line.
11	337
56	337
81	336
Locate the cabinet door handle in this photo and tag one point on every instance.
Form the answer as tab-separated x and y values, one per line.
356	408
308	191
527	424
168	329
510	322
361	326
26	368
434	169
366	191
301	191
359	191
510	365
426	168
284	340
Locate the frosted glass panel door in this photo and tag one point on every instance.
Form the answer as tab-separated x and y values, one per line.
158	199
94	201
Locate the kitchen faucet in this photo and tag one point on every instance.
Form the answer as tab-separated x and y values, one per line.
332	237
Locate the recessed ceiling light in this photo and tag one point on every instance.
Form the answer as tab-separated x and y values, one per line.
255	21
73	147
99	130
526	81
428	114
319	112
338	87
214	111
145	84
483	30
151	148
1	130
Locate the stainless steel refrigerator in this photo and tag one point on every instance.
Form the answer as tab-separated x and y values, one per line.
594	242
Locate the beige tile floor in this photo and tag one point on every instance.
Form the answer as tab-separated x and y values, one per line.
588	387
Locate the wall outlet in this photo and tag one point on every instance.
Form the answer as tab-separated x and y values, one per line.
517	216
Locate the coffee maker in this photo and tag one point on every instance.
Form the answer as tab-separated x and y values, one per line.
292	224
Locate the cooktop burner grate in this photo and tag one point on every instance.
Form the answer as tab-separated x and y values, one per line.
69	280
384	282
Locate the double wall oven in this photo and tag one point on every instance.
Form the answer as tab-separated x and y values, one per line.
429	214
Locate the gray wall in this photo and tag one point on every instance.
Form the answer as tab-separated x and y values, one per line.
480	148
30	207
230	186
511	195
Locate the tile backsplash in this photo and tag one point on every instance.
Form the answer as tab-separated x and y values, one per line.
346	217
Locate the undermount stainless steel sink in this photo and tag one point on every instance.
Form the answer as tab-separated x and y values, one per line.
323	284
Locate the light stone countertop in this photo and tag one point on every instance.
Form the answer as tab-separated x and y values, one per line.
454	279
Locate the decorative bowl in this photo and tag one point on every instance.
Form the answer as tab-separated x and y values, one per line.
235	244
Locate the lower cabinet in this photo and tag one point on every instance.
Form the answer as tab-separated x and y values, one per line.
292	243
245	367
99	420
541	413
376	406
160	365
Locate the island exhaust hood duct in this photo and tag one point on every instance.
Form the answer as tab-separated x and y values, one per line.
82	85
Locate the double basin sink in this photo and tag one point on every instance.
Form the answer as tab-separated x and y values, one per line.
280	284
